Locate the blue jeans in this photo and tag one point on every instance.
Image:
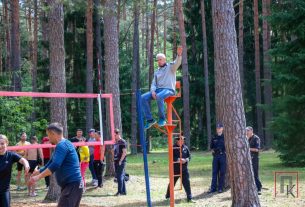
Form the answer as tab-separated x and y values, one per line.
91	167
161	93
120	176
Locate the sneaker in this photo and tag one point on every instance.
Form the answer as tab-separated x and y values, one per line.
191	201
259	192
161	122
220	191
33	194
149	124
95	184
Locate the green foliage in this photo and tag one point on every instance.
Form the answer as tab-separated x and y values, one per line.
288	20
15	116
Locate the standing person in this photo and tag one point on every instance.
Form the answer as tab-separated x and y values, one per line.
22	142
99	160
162	86
46	158
120	152
64	163
7	159
185	158
254	143
219	160
84	161
32	156
91	138
78	138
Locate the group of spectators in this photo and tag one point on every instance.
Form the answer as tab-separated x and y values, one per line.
69	163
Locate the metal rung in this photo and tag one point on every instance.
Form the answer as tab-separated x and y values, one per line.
178	175
177	162
176	147
175	133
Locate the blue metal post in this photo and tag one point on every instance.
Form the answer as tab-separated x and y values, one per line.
143	143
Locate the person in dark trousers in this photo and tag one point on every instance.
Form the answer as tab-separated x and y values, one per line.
254	143
185	158
64	163
7	159
120	152
219	160
46	158
99	160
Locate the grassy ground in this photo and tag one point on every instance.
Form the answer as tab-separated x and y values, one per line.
200	172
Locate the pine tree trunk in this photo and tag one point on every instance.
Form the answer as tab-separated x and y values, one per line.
57	77
185	72
134	81
241	43
7	36
152	38
259	112
30	31
206	72
267	74
111	71
157	31
165	29
15	46
89	65
98	44
119	18
229	105
174	22
44	31
147	34
143	33
35	47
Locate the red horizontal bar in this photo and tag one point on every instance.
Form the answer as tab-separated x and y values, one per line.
52	95
37	146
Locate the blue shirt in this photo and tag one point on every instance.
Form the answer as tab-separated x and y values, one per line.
64	163
6	163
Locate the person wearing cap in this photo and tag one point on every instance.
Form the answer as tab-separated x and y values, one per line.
219	160
91	138
254	143
46	157
162	86
185	158
120	152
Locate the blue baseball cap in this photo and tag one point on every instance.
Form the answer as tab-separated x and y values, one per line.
219	125
91	130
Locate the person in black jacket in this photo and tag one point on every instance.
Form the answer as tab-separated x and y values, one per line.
254	143
219	160
185	158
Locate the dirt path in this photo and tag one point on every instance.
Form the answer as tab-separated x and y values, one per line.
137	197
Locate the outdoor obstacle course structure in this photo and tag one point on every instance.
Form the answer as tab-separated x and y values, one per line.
169	131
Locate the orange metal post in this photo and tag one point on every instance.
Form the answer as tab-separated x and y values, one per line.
170	127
